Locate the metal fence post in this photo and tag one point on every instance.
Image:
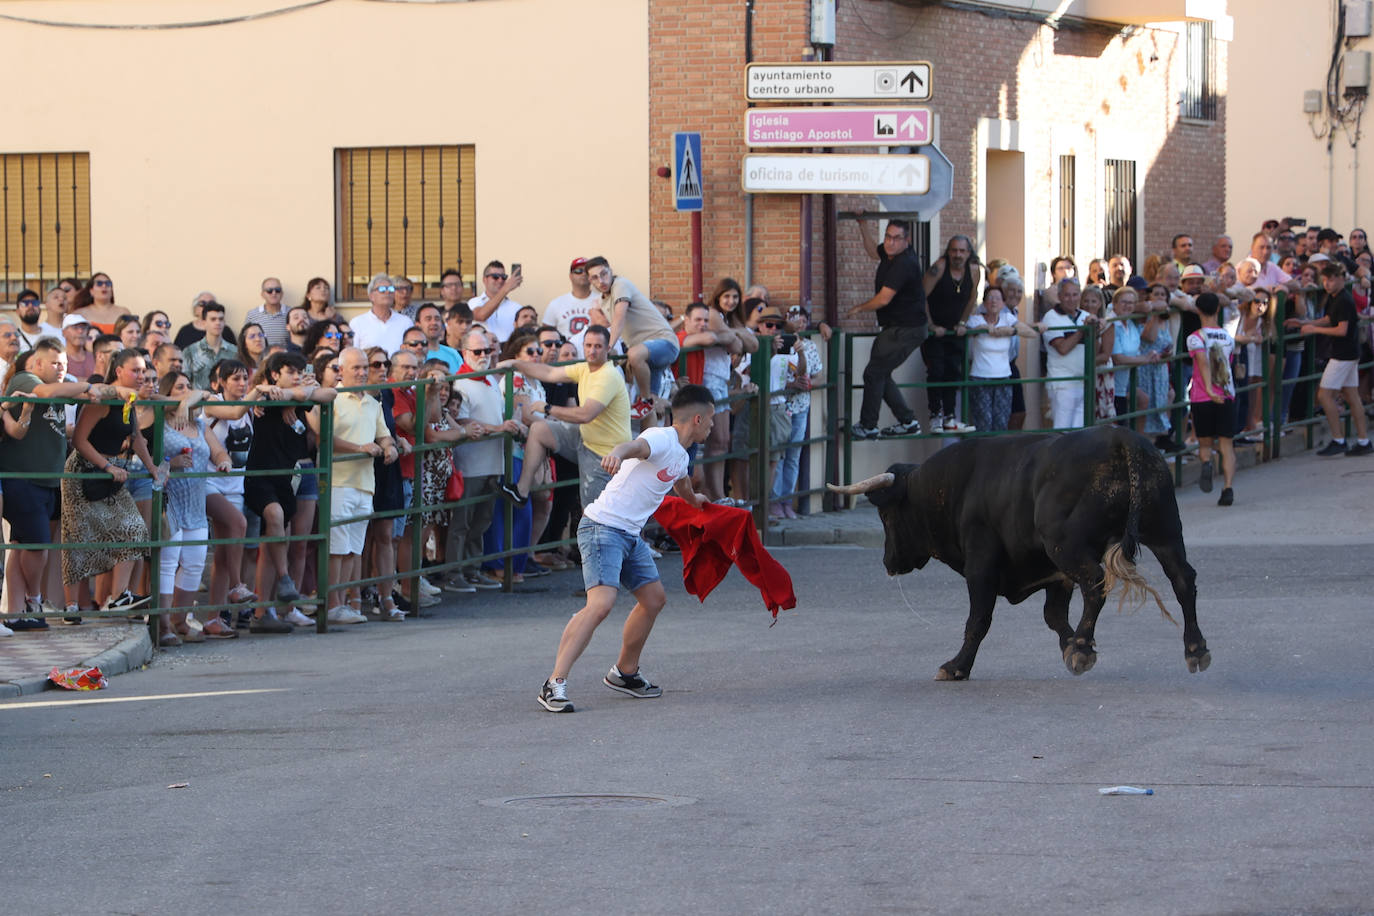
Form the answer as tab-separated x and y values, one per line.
830	501
1089	375
155	517
323	510
759	374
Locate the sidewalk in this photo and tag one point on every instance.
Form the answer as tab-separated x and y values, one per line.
114	646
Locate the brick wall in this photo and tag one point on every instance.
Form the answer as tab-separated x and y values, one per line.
1096	92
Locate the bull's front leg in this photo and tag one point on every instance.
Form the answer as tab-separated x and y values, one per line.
1057	595
982	598
1076	561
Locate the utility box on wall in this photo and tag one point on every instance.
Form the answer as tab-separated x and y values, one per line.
1357	16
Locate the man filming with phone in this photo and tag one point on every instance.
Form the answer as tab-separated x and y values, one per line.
494	308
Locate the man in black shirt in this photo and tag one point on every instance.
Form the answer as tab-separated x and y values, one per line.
1341	322
900	302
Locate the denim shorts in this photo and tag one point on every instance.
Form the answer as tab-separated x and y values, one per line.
614	557
399	522
310	484
140	484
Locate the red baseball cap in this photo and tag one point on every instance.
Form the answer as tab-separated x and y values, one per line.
576	263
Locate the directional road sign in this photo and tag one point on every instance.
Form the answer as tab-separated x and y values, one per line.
941	188
837	126
835	173
687	193
842	82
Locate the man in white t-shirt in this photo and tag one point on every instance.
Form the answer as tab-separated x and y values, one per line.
494	309
380	326
613	552
571	312
29	310
1064	328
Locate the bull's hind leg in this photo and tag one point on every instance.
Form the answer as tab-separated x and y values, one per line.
982	598
1184	580
1079	564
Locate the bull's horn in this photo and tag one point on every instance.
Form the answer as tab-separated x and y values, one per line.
863	486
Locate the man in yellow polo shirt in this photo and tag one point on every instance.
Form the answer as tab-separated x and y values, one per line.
585	433
358	429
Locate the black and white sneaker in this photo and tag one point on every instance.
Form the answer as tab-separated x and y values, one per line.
511	492
910	428
553	696
1332	448
126	601
859	431
1358	449
635	685
287	593
1205	478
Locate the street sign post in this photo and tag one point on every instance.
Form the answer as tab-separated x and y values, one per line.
941	189
839	82
835	173
687	193
793	127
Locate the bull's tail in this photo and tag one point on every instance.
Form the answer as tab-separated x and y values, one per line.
1118	563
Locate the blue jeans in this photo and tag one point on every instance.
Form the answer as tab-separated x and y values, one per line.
521	521
614	557
1292	365
785	480
662	354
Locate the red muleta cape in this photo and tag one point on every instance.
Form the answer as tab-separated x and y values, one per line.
713	538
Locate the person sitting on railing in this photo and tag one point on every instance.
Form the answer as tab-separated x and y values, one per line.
188	444
1065	327
1340	322
996	329
279	441
111	516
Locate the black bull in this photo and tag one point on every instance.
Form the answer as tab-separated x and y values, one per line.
1017	514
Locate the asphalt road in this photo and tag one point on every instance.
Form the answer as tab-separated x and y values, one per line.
814	766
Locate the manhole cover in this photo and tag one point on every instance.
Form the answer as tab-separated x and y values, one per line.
590	801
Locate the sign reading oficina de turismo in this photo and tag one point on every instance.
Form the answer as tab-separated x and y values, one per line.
835	173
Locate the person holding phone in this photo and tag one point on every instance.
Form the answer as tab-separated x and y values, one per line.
495	308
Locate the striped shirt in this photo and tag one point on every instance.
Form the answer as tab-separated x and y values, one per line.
273	326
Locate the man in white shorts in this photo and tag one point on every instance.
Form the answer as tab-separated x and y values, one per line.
613	552
1342	374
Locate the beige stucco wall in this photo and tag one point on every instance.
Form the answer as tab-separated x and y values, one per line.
1275	167
212	149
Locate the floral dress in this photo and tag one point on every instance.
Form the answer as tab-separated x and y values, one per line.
1154	377
434	473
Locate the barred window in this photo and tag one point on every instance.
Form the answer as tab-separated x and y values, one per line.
45	220
1068	204
1199	99
1118	191
405	210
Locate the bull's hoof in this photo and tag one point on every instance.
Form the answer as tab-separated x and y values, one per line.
949	673
1079	656
1198	658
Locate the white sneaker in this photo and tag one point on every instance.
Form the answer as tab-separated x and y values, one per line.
5	631
345	614
427	589
953	425
428	600
297	619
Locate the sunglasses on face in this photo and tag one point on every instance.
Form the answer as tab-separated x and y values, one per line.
346	334
484	351
333	367
331	335
162	324
496	276
417	344
534	351
271	289
24	302
550	344
102	283
384	289
381	364
769	325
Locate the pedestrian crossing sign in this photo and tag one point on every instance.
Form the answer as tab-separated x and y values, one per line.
687	193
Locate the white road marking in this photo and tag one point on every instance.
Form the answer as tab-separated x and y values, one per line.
159	696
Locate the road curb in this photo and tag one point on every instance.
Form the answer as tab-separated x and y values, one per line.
131	653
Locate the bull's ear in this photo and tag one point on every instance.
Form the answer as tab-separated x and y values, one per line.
896	492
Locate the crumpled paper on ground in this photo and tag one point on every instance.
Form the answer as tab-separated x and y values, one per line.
79	678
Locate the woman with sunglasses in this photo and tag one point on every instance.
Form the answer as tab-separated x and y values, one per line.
322	335
96	303
318	302
157	322
252	346
388	494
